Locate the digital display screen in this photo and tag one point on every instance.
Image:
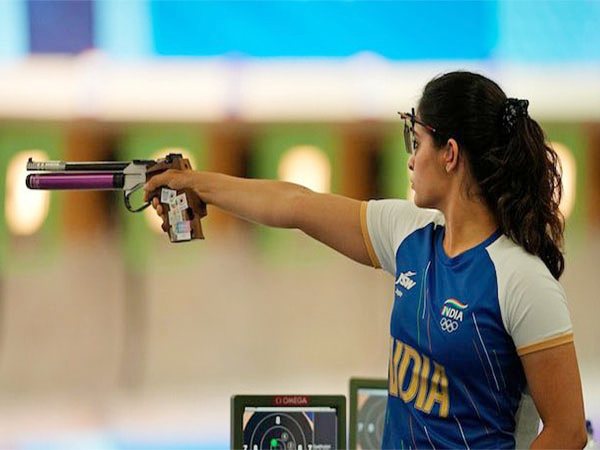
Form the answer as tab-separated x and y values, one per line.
288	422
370	416
290	428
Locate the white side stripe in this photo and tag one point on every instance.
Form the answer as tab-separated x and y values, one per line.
425	286
428	438
486	352
463	434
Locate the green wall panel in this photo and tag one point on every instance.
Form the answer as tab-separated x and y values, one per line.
271	143
394	161
572	135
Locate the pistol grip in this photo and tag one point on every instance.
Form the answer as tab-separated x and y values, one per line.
195	211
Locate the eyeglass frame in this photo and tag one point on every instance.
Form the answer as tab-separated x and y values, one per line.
409	132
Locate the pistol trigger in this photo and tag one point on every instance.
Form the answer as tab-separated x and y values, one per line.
127	194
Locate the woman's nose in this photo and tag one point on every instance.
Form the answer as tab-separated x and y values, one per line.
411	163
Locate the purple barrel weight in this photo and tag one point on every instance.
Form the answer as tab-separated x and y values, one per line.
55	181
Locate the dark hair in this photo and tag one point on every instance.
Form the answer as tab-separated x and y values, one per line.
517	173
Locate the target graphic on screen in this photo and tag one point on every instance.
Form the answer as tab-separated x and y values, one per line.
370	419
279	431
368	403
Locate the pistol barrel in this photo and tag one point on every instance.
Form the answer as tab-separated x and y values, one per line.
62	166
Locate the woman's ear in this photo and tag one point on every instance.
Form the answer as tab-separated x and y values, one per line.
451	156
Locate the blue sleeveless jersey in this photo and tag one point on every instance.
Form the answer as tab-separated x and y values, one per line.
455	376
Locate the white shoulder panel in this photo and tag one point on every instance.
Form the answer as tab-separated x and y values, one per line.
389	222
533	304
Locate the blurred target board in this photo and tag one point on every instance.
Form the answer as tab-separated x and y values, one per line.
30	221
288	422
368	401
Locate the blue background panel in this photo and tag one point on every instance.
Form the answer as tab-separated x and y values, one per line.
60	26
549	31
13	38
528	31
122	28
406	30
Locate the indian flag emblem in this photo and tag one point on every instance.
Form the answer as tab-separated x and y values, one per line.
456	303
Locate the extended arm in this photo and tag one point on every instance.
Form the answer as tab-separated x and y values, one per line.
331	219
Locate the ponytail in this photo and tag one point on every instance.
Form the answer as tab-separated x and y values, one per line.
522	185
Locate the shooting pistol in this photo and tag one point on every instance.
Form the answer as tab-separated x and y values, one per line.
183	208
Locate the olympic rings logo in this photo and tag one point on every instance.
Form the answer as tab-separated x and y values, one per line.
448	325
